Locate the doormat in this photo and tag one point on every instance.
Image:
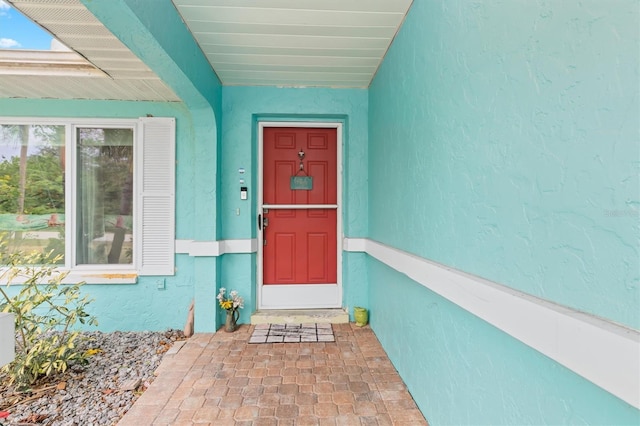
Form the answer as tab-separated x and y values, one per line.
292	333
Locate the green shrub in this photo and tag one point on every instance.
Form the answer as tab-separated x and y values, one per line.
46	313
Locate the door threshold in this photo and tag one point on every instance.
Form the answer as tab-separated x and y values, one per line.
300	316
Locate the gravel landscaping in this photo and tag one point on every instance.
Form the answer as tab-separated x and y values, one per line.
98	393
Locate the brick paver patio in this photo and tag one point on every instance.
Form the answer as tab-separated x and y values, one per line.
221	379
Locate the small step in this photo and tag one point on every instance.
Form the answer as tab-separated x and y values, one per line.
300	316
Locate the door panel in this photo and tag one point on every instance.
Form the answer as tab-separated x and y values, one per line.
281	147
300	247
283	247
281	184
318	264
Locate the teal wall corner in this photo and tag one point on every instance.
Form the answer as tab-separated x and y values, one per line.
205	291
238	273
355	281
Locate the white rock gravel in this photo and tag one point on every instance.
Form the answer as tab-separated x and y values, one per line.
99	393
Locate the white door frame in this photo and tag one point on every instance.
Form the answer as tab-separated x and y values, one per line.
317	296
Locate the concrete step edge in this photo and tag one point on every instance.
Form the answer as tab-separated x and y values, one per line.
300	316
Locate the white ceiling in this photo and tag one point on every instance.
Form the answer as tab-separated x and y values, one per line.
334	43
325	43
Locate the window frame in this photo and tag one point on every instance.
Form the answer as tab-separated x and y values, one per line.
71	242
114	273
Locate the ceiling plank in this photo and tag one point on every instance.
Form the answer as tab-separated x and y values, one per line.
295	75
291	60
198	27
289	16
297	68
290	83
213	50
287	41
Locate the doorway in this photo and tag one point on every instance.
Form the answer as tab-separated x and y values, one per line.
299	226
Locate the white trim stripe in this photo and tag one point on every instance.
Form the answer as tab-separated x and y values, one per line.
216	248
603	352
354	244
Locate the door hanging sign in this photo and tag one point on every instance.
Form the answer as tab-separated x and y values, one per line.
301	181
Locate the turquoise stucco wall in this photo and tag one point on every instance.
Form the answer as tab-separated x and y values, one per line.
158	36
463	371
242	107
139	306
511	128
519	138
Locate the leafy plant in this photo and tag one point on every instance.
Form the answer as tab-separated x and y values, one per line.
46	312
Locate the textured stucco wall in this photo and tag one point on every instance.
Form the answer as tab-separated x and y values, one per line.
139	306
503	141
463	371
512	129
242	107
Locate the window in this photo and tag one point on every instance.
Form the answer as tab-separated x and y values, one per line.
100	193
104	196
32	190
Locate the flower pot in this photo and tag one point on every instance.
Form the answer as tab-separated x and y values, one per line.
361	315
231	322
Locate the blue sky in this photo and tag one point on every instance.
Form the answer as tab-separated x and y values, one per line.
18	32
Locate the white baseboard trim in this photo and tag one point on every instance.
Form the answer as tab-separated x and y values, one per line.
216	248
603	352
354	244
239	246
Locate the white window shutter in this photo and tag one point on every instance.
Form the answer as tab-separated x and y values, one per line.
155	220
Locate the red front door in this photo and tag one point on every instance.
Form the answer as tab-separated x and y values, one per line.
299	236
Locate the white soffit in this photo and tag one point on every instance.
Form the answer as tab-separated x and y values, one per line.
103	67
326	43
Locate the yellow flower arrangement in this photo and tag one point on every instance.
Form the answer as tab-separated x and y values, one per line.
232	302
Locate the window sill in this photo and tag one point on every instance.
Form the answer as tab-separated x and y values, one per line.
88	276
102	277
